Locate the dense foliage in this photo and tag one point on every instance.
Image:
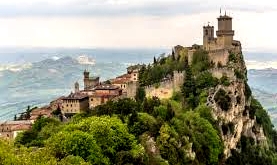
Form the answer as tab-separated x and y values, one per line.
180	130
162	67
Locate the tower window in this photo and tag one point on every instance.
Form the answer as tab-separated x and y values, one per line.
206	32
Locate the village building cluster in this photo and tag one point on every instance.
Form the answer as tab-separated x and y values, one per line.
96	93
125	86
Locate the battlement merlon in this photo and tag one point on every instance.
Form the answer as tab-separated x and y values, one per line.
220	33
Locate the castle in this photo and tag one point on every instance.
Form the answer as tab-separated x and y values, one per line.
125	86
218	47
97	93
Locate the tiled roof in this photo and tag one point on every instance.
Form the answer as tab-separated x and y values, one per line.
75	96
106	87
27	122
120	81
20	127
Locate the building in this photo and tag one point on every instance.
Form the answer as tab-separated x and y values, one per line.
75	103
220	46
56	103
10	129
133	71
90	82
45	111
122	81
104	93
224	34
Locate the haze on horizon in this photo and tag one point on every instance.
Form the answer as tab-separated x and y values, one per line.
132	23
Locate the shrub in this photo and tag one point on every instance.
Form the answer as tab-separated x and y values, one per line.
224	80
232	58
223	100
238	74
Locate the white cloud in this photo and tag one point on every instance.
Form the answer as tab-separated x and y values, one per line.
131	23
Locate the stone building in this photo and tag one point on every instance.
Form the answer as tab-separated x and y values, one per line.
10	129
218	47
75	103
90	82
45	111
104	93
122	81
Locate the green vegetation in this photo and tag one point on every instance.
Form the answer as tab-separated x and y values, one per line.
118	133
223	100
232	58
181	130
200	61
162	67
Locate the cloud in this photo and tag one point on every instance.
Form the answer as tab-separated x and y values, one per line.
18	8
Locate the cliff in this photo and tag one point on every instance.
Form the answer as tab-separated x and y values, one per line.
231	106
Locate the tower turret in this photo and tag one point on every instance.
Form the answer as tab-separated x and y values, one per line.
208	36
76	86
225	33
86	79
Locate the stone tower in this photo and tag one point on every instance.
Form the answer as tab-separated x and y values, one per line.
76	86
90	82
208	35
225	33
86	80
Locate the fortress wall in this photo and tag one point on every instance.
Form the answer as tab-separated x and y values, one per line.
219	55
166	88
219	72
131	89
190	55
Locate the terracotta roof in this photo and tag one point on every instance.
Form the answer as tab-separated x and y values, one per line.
75	96
104	95
106	87
41	111
120	81
18	122
21	127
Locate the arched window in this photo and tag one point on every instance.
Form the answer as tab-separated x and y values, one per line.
206	32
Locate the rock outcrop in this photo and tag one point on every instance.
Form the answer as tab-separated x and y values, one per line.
231	106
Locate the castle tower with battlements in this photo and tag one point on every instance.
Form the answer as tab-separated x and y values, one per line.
90	82
224	34
208	36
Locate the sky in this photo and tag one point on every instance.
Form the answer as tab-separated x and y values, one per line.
132	23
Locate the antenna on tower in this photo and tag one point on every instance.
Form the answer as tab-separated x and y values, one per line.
225	12
220	11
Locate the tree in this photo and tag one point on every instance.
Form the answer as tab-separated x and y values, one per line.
109	133
76	143
140	94
206	141
155	60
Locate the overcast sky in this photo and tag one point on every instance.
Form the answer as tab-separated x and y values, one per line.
132	23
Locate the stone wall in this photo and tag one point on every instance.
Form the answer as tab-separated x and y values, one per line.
131	89
219	56
219	72
166	88
162	90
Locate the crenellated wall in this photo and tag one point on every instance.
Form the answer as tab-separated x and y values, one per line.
166	88
219	56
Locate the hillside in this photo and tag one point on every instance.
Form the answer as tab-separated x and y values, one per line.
212	119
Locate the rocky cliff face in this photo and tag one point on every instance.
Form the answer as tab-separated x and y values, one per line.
231	108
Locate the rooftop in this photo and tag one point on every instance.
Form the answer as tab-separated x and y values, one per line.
120	81
75	96
106	87
18	122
